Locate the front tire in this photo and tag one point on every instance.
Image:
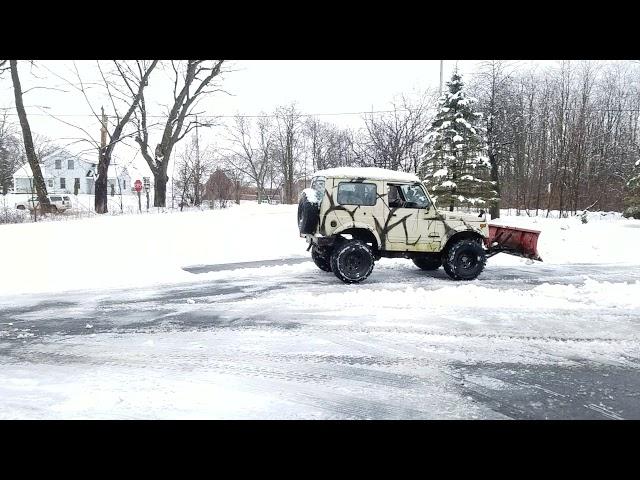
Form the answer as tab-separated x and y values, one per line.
352	261
464	260
322	261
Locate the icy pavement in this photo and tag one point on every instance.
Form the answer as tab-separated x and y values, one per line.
290	341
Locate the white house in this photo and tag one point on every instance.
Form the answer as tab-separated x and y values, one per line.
63	172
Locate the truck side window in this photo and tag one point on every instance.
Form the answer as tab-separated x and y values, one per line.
356	193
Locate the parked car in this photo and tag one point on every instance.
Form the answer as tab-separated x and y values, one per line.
59	203
352	217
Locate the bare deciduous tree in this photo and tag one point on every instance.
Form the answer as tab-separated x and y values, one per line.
252	156
564	137
492	87
394	140
288	146
191	82
38	179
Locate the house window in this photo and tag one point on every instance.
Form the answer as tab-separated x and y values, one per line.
63	183
51	183
124	184
69	164
58	164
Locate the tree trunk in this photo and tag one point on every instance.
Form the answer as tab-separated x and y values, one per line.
160	189
494	211
38	179
101	185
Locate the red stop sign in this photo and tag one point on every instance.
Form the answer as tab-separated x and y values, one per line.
137	185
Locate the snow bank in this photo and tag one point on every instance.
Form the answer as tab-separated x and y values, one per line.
373	173
606	238
130	250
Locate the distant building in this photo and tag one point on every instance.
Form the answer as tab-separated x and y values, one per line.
63	171
218	187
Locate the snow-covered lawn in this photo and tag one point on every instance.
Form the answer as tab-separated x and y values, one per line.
132	250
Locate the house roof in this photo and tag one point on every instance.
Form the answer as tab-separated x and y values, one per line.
25	172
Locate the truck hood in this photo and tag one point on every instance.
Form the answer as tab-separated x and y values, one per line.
464	217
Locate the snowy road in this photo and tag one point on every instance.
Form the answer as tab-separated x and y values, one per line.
285	340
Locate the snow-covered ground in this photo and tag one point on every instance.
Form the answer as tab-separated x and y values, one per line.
135	250
525	340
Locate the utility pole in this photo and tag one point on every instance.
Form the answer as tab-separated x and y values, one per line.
103	142
196	176
441	62
103	130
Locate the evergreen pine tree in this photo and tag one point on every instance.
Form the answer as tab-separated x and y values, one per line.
455	166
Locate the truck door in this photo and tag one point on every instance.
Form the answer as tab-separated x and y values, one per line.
401	220
411	221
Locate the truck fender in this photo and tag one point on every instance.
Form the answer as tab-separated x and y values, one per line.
363	226
461	231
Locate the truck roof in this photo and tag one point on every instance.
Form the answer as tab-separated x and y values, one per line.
372	173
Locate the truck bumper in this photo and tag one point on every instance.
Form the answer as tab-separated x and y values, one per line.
320	241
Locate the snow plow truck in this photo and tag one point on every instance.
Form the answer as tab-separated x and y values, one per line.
352	217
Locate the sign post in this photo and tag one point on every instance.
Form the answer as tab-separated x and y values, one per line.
146	189
138	187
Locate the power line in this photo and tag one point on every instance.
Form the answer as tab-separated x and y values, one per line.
222	116
6	112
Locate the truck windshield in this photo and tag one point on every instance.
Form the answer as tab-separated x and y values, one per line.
414	196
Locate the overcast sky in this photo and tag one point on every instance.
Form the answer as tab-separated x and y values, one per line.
318	87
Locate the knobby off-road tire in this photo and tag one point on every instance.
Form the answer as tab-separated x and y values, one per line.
427	263
321	259
308	216
352	261
464	260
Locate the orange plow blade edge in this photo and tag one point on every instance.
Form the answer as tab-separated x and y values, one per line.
514	241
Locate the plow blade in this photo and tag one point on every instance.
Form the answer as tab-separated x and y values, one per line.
514	241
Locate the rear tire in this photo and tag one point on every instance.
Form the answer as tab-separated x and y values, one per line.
427	263
352	261
321	259
464	260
